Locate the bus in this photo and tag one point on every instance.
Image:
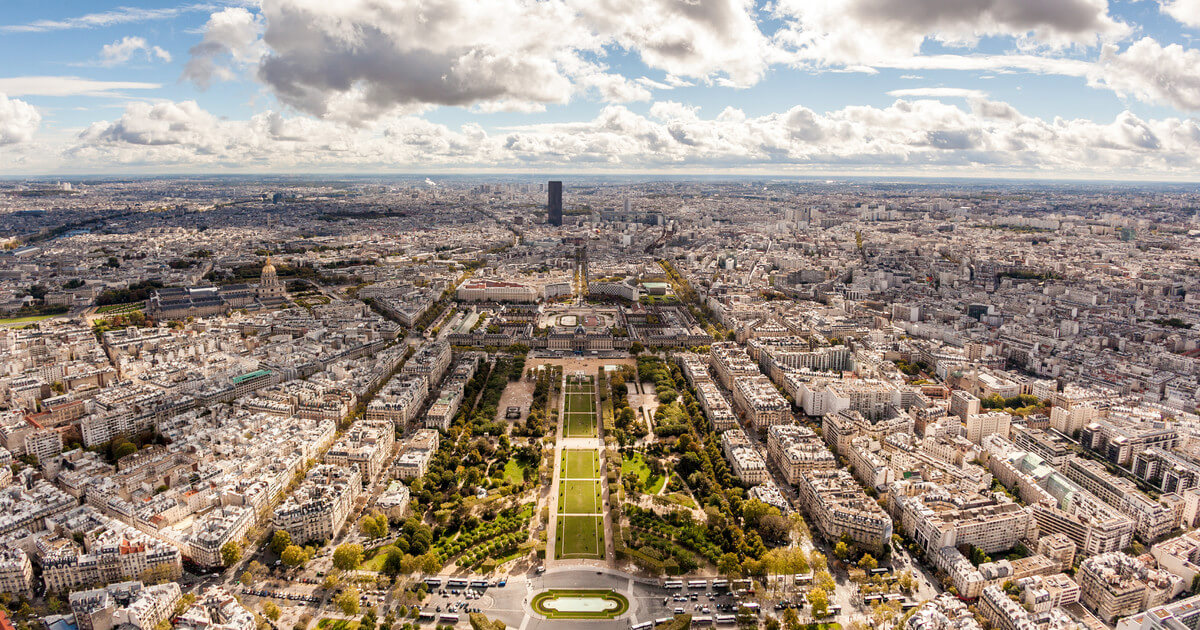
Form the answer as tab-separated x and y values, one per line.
751	606
645	625
871	599
479	583
720	584
457	583
879	571
673	585
726	619
661	620
701	621
433	582
698	584
426	616
908	604
449	618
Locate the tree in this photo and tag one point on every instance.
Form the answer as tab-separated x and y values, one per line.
231	552
280	540
772	623
271	611
791	621
348	556
257	568
294	556
868	562
729	565
842	550
819	601
347	601
636	348
123	449
430	563
393	562
246	578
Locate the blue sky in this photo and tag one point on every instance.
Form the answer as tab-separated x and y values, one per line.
1011	88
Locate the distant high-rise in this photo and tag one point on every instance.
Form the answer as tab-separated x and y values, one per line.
555	204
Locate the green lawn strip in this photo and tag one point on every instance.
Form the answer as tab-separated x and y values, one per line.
579	537
579	496
25	320
656	484
539	601
635	465
580	464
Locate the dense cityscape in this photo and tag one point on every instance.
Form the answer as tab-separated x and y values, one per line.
349	403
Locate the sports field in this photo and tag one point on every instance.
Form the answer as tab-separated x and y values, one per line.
580	537
580	409
580	464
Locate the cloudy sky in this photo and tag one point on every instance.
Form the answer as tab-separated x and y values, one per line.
1010	88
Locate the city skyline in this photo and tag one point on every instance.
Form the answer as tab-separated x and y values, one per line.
1081	89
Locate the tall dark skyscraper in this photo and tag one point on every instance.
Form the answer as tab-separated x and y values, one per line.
554	204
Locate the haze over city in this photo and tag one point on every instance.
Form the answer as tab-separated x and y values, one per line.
607	315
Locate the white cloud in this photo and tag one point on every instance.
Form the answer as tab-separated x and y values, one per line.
848	32
122	50
1186	12
121	15
1151	72
907	136
18	121
938	92
232	33
69	86
515	54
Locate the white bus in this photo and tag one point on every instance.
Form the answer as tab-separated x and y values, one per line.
701	621
660	621
751	606
673	585
645	625
700	584
457	583
433	582
449	618
726	619
720	584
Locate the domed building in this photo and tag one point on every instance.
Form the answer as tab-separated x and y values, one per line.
271	290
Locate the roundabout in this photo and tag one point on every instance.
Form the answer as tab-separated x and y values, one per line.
580	604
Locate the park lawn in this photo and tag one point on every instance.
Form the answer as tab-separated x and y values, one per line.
580	537
635	465
656	484
581	425
514	472
115	308
337	624
581	464
679	498
25	320
375	562
581	403
577	496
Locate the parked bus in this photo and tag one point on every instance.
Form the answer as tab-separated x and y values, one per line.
751	606
661	620
449	618
645	625
726	619
701	621
720	584
433	582
457	583
426	616
479	583
673	585
700	584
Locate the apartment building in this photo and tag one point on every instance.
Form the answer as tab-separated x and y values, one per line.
317	509
1115	585
716	408
936	517
114	554
747	465
16	572
796	449
730	361
431	361
368	444
414	460
127	604
760	403
837	506
1152	520
441	412
1178	615
1002	612
979	425
963	404
496	291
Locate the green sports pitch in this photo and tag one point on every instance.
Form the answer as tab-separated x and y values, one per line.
579	537
580	425
580	464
